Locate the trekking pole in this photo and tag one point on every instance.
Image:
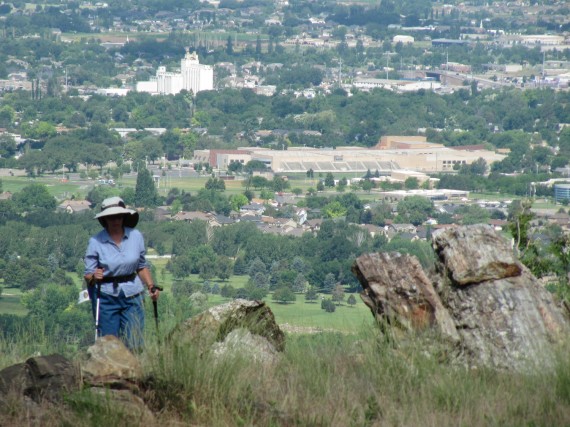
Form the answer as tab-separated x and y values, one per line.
97	310
155	305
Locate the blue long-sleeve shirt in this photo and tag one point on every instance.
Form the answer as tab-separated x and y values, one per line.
117	260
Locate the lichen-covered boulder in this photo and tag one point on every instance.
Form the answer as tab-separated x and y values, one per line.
109	361
397	291
216	323
475	254
43	378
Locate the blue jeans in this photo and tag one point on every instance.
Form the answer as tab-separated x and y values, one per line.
123	317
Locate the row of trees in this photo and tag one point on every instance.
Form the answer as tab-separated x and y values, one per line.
235	115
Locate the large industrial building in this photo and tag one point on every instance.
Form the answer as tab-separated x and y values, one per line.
392	153
193	76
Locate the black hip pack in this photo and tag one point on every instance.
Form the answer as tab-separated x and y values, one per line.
115	280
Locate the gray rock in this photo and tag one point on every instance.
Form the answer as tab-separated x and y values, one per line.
242	343
397	291
503	316
109	361
474	254
214	324
40	378
127	403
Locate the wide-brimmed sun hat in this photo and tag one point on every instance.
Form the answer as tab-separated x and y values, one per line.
116	206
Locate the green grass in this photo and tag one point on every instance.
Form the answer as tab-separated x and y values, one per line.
298	314
10	302
352	376
338	380
311	315
54	184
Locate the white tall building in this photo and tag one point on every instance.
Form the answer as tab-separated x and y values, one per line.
192	76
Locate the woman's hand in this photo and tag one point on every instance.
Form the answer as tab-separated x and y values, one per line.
98	274
154	292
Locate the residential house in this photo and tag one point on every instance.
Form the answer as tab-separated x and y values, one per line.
223	220
301	215
373	230
191	216
162	213
74	206
498	224
255	209
403	228
313	225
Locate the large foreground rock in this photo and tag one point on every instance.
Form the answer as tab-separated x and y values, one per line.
125	403
505	317
109	362
475	254
43	378
215	324
242	343
397	290
483	296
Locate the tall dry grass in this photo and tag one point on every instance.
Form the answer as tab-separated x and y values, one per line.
354	380
325	379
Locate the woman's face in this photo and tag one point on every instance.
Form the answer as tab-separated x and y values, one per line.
113	221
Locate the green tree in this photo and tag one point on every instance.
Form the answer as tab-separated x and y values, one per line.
227	291
367	185
225	268
34	197
237	201
8	145
351	300
145	191
473	214
215	184
415	209
257	266
180	266
284	295
329	283
279	184
338	294
411	183
329	180
334	209
328	305
266	195
258	182
229	46
311	294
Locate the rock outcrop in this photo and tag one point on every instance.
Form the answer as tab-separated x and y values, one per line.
475	254
110	376
398	291
215	324
491	306
109	361
43	378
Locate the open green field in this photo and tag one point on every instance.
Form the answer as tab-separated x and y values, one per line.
300	316
10	302
64	189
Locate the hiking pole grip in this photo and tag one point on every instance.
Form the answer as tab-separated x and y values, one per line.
153	289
